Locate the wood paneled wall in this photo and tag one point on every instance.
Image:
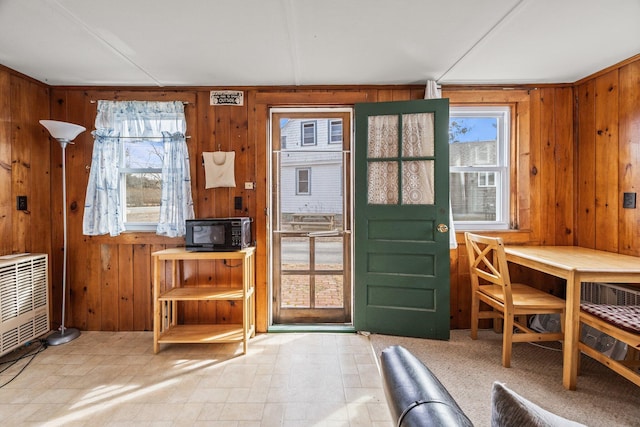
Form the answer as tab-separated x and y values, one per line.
578	146
110	287
608	138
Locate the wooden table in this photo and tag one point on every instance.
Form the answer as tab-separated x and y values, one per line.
311	220
575	264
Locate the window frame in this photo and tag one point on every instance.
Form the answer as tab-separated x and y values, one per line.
298	192
303	124
505	135
331	123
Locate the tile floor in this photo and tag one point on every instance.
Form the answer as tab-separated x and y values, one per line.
114	379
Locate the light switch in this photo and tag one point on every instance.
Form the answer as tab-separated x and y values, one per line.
21	203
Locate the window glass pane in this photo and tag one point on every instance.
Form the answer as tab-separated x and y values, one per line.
470	199
308	133
294	253
295	291
335	131
473	141
142	194
417	135
382	183
143	154
328	253
383	136
417	182
303	177
329	291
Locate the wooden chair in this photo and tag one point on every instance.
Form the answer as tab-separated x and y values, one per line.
619	322
512	302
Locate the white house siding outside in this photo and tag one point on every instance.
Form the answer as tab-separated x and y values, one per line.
324	162
471	199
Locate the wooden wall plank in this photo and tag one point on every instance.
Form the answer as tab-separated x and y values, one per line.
76	179
533	168
126	286
521	157
142	288
586	153
88	312
257	134
629	157
564	161
606	153
6	177
109	288
548	172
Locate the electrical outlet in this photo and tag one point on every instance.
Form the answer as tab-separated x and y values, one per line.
237	203
629	201
21	202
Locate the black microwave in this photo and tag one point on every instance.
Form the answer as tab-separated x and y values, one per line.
218	234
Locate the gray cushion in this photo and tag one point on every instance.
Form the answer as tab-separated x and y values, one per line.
509	409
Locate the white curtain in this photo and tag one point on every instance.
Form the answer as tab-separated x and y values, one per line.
137	119
431	91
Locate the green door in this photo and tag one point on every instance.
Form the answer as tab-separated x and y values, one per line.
401	284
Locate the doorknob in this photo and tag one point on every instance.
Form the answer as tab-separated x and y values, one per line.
443	228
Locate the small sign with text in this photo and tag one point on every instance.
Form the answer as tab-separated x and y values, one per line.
227	97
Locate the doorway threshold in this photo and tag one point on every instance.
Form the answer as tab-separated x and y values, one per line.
348	329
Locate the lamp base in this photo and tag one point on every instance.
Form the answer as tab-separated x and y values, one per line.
58	337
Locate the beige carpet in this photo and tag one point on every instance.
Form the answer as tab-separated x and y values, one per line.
468	369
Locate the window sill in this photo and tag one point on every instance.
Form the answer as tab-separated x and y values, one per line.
136	238
508	236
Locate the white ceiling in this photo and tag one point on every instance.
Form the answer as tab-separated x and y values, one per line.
315	42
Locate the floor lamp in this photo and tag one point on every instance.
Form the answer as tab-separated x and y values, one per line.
65	133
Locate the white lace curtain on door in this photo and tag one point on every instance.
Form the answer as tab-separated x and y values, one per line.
138	119
417	175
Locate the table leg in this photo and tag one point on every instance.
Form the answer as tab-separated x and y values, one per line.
571	333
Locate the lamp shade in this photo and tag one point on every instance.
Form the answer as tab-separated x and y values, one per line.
62	130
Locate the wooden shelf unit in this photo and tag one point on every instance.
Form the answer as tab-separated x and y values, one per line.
165	303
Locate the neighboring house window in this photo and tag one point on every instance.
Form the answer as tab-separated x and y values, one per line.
140	178
479	140
303	181
335	131
308	133
283	142
486	179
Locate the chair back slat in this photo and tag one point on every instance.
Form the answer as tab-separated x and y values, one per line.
488	263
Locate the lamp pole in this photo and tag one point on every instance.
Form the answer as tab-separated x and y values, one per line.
64	133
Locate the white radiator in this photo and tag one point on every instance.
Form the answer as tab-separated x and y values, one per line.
24	299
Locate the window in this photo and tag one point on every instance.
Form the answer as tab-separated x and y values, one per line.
308	133
335	131
303	181
486	179
139	178
479	141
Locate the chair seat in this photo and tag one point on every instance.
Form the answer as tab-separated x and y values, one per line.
525	297
626	317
